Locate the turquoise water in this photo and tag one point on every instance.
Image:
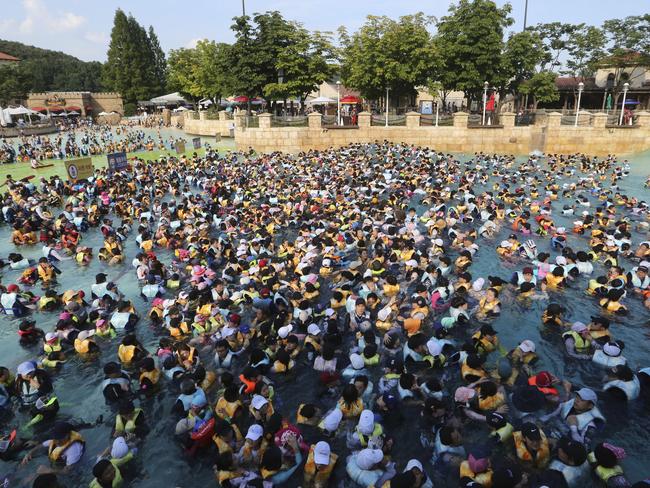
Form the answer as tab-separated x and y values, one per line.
160	460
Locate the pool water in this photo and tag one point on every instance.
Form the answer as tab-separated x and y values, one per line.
160	461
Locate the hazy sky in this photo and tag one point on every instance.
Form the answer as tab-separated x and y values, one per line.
82	27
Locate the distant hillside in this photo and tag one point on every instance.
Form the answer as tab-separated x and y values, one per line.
52	70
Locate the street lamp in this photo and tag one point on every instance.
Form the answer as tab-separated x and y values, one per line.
338	102
485	89
626	87
437	111
387	106
581	87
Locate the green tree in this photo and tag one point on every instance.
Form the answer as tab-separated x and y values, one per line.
182	73
557	38
541	86
15	83
523	52
159	62
130	69
627	49
212	70
305	63
386	53
470	41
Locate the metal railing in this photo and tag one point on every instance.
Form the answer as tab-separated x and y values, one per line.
328	120
430	120
525	119
298	121
393	120
251	122
476	120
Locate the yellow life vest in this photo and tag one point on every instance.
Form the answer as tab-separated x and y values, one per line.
465	371
125	353
82	347
56	448
377	431
543	455
491	403
319	476
353	410
504	433
153	376
581	345
223	446
484	479
128	426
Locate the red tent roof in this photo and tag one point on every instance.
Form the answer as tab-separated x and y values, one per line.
56	109
72	107
350	99
39	109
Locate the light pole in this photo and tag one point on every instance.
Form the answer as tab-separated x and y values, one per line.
485	88
525	14
338	102
243	8
581	87
387	106
626	87
437	112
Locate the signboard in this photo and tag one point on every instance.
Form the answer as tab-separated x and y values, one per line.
180	147
78	169
427	107
54	101
217	137
196	142
117	161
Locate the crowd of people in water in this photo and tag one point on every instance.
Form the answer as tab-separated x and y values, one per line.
91	141
349	271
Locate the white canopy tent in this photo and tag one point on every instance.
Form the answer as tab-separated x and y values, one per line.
103	113
181	109
170	99
2	117
20	111
321	101
73	112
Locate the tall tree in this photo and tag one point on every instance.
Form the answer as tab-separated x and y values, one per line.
182	74
305	63
159	62
130	68
386	53
15	83
470	41
541	87
522	54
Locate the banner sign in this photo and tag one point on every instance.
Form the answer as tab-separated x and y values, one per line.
196	142
78	169
180	147
117	161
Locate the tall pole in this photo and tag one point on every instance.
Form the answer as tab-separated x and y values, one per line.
386	106
338	102
581	85
525	14
625	88
243	8
485	87
437	112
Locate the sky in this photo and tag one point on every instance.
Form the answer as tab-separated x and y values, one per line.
82	27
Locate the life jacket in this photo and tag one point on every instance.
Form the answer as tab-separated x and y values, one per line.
223	446
130	425
46	273
227	410
82	347
126	353
377	431
484	479
585	419
152	376
353	410
581	345
521	279
466	371
491	403
391	290
250	384
483	344
56	448
611	305
532	381
543	454
603	359
606	473
599	334
504	433
574	475
45	302
320	476
553	281
50	348
637	282
11	305
488	307
630	388
119	320
363	477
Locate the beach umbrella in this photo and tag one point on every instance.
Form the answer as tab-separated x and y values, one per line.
321	101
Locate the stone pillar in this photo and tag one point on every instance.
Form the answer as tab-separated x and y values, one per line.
460	119
240	121
315	120
600	120
554	119
583	118
643	119
202	115
223	115
412	119
540	119
364	119
265	121
167	116
507	119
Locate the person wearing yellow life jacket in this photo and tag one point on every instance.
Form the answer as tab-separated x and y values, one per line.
472	368
129	420
319	465
149	375
46	272
490	396
227	437
83	344
65	448
477	467
485	340
611	303
604	460
577	341
229	406
532	446
367	431
501	429
130	351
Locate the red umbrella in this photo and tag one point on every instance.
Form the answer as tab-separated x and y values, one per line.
73	107
241	99
350	99
56	109
39	109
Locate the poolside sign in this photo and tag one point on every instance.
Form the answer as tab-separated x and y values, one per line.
196	142
180	147
78	169
117	162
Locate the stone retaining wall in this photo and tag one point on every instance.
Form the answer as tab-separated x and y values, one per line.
548	136
208	127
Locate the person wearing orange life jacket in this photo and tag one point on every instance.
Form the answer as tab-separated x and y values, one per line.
544	382
532	446
319	465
